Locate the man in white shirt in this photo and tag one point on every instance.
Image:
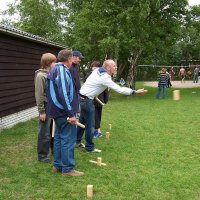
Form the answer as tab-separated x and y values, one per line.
96	83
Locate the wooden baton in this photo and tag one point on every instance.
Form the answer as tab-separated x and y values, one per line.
99	101
78	123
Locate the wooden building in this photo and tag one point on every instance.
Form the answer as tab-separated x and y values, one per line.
20	54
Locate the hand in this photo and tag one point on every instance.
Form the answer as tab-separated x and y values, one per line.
141	91
43	117
71	120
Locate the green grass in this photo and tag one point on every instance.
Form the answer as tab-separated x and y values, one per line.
153	154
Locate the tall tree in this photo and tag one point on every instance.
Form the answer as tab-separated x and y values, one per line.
40	17
123	30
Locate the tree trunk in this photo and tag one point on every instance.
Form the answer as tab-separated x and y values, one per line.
132	73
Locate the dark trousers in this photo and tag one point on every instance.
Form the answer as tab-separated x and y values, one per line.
87	116
44	139
98	113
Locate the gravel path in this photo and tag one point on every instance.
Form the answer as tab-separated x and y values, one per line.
175	84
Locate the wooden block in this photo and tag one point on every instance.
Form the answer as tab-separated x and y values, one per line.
92	161
95	162
176	95
110	126
107	135
99	161
89	191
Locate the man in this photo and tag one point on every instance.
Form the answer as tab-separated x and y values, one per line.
196	75
96	83
182	74
77	56
62	101
44	136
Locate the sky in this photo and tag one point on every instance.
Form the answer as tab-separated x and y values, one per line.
4	2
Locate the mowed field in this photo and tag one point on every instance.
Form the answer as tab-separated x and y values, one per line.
153	154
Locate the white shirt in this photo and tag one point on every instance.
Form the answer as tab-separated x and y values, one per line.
97	82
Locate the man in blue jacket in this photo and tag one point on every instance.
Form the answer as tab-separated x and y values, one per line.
62	103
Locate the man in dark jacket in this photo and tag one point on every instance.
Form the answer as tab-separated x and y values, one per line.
77	56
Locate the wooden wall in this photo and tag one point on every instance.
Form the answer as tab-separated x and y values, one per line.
19	59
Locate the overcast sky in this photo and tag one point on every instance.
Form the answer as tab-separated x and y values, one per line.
4	2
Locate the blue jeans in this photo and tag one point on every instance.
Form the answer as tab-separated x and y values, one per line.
195	79
160	88
64	145
87	117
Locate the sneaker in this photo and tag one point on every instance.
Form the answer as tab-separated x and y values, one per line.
73	173
55	170
95	150
45	160
100	134
97	134
81	145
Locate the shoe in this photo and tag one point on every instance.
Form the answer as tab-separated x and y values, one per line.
73	173
45	160
97	134
100	134
80	145
55	170
95	150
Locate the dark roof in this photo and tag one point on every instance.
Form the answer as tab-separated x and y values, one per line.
18	33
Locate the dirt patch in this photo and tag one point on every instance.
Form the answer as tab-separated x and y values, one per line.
175	84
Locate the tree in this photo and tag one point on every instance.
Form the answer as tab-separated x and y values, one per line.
125	30
40	17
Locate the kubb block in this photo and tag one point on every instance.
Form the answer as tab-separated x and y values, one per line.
99	161
89	191
107	135
176	95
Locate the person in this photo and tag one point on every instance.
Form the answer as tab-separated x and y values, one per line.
189	74
196	75
162	83
103	97
182	74
62	103
168	80
44	135
77	56
172	73
96	83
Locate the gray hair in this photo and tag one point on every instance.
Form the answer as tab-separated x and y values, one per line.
64	55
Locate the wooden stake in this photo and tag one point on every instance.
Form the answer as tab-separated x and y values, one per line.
110	126
176	95
89	191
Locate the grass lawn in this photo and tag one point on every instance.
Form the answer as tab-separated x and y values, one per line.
153	154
